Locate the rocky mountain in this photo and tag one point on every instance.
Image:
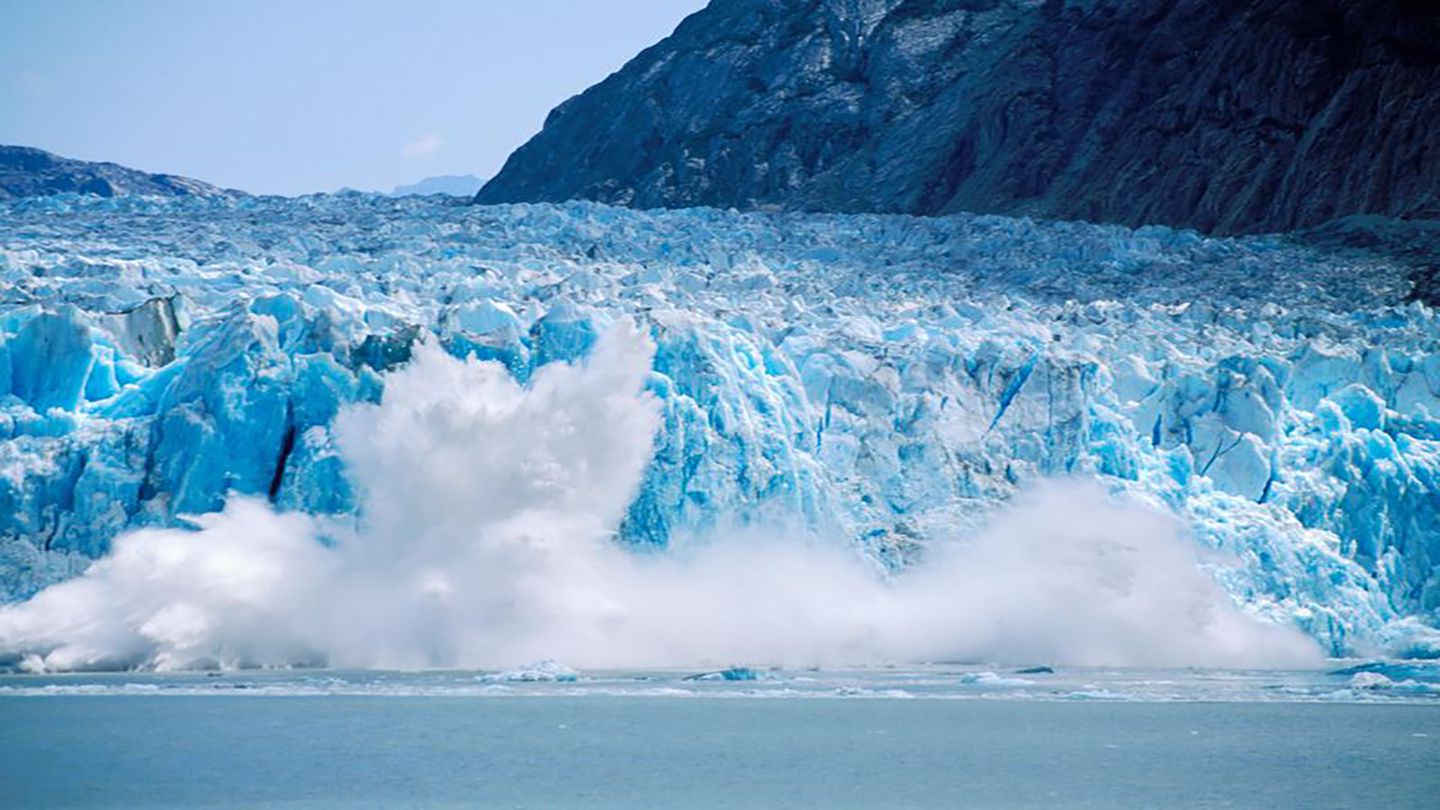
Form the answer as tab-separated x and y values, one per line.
29	172
1222	115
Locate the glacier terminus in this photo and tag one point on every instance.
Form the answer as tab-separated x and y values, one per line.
888	383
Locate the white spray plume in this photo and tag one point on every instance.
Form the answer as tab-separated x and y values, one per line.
489	511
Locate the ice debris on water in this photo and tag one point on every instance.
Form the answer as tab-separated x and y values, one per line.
1395	670
886	378
540	671
729	674
992	679
1376	682
1370	680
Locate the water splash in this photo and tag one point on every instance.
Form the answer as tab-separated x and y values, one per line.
489	509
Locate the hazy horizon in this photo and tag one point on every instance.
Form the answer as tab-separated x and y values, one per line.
278	100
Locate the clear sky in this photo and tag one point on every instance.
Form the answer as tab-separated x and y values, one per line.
288	97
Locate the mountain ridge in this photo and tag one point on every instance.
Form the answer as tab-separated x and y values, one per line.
26	171
1223	116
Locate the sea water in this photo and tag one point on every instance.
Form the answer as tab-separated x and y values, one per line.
545	736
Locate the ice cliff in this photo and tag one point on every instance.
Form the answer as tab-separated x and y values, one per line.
884	378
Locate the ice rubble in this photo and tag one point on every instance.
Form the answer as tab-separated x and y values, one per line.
886	378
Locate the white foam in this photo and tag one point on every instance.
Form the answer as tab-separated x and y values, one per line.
486	541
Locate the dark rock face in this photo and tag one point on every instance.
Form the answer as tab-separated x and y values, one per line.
1223	115
29	172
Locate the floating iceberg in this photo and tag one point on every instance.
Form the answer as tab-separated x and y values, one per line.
540	671
883	379
992	679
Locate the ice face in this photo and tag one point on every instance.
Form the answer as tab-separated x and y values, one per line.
887	380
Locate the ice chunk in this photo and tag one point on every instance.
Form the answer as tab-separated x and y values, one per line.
546	670
993	679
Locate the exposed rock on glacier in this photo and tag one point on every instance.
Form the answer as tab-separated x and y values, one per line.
885	379
1223	115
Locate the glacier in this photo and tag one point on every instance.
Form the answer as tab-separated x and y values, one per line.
888	380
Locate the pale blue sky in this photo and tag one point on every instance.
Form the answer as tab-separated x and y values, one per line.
292	97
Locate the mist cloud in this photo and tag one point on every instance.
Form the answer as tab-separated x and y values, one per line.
422	147
486	540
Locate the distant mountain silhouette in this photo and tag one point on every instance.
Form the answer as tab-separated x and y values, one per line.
459	185
29	172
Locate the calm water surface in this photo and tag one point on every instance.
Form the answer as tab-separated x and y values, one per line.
932	738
